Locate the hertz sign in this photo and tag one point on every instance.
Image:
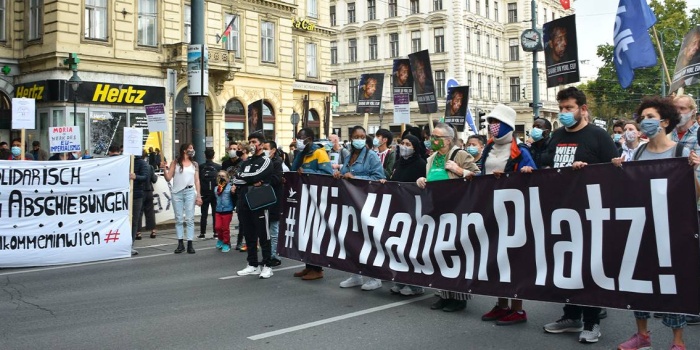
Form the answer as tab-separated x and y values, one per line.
92	92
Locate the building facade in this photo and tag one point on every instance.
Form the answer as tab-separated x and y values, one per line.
272	60
476	42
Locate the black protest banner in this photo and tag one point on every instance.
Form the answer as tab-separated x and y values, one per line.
456	106
402	78
603	236
560	51
370	97
687	70
423	81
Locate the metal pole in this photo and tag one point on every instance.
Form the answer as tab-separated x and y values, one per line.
198	109
535	73
663	76
75	108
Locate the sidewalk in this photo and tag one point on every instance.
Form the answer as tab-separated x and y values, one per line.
165	234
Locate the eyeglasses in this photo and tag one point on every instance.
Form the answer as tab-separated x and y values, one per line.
435	137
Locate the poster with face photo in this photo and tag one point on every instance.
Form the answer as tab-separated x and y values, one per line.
255	123
402	78
369	99
688	62
423	81
561	51
456	106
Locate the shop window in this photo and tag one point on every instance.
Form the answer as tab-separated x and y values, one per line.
106	129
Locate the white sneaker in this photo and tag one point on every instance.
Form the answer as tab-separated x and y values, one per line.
372	284
266	272
590	334
249	270
353	281
395	289
408	291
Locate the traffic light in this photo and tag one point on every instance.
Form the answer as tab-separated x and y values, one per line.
482	123
524	93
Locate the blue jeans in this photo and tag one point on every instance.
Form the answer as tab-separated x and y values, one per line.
183	203
673	321
274	231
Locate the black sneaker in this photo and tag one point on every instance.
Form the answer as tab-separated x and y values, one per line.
275	262
603	314
215	236
202	236
692	319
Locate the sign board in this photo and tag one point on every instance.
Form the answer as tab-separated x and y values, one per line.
156	118
133	141
23	113
402	109
64	139
197	70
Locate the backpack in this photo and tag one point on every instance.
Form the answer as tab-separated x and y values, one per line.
208	178
677	154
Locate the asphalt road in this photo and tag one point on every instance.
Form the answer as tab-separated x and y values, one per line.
160	300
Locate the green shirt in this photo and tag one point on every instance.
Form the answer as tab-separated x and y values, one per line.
437	171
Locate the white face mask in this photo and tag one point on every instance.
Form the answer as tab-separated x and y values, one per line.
232	153
300	145
266	153
685	118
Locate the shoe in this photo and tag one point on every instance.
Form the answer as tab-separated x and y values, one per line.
637	342
134	252
190	248
514	317
219	244
395	289
302	273
677	347
312	275
138	236
455	305
202	236
215	236
590	334
226	248
238	246
266	272
275	262
249	270
353	281
692	319
153	234
439	304
496	313
180	247
660	315
409	291
603	314
372	284
243	248
564	325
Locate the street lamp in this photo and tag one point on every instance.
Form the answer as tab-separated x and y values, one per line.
661	44
295	122
74	83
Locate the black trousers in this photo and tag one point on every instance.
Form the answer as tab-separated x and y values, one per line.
136	216
591	315
255	226
208	201
148	211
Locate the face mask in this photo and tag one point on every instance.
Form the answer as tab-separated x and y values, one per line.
685	118
16	151
650	127
252	149
222	180
536	134
437	144
406	151
328	147
190	154
359	144
232	154
76	155
567	119
473	150
630	136
375	142
427	144
493	129
616	137
300	145
266	153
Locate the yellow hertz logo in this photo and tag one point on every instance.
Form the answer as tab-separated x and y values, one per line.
36	92
104	93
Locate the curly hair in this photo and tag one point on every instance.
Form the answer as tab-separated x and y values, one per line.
665	108
572	92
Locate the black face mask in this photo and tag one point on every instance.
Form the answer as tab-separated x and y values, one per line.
239	154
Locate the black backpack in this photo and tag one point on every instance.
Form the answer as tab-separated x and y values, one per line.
208	178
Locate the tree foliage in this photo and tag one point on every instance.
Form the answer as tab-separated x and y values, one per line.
608	99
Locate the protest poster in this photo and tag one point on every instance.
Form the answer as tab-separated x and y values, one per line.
155	115
423	81
64	139
369	99
402	109
456	107
402	78
561	51
133	141
23	113
557	235
87	220
687	70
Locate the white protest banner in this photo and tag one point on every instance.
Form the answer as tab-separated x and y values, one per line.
133	141
23	113
64	139
64	212
156	118
402	109
162	202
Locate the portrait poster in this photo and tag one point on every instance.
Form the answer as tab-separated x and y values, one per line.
561	51
369	99
423	81
687	70
402	78
456	106
255	120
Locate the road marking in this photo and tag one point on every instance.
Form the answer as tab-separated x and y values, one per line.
156	245
91	263
273	271
337	318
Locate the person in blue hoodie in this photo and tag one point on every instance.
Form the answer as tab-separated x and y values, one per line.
224	211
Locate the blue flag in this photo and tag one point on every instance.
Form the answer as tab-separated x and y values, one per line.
633	47
470	121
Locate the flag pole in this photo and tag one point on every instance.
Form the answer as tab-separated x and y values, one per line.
663	60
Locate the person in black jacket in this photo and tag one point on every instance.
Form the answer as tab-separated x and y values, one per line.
140	177
410	164
539	135
256	170
270	150
208	173
148	207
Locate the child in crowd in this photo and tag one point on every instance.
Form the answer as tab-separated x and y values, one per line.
224	211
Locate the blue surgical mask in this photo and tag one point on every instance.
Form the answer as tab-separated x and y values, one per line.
427	144
650	127
616	137
567	119
375	142
359	144
473	150
536	134
16	151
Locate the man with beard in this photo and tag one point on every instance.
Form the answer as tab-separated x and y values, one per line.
556	48
401	75
576	145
